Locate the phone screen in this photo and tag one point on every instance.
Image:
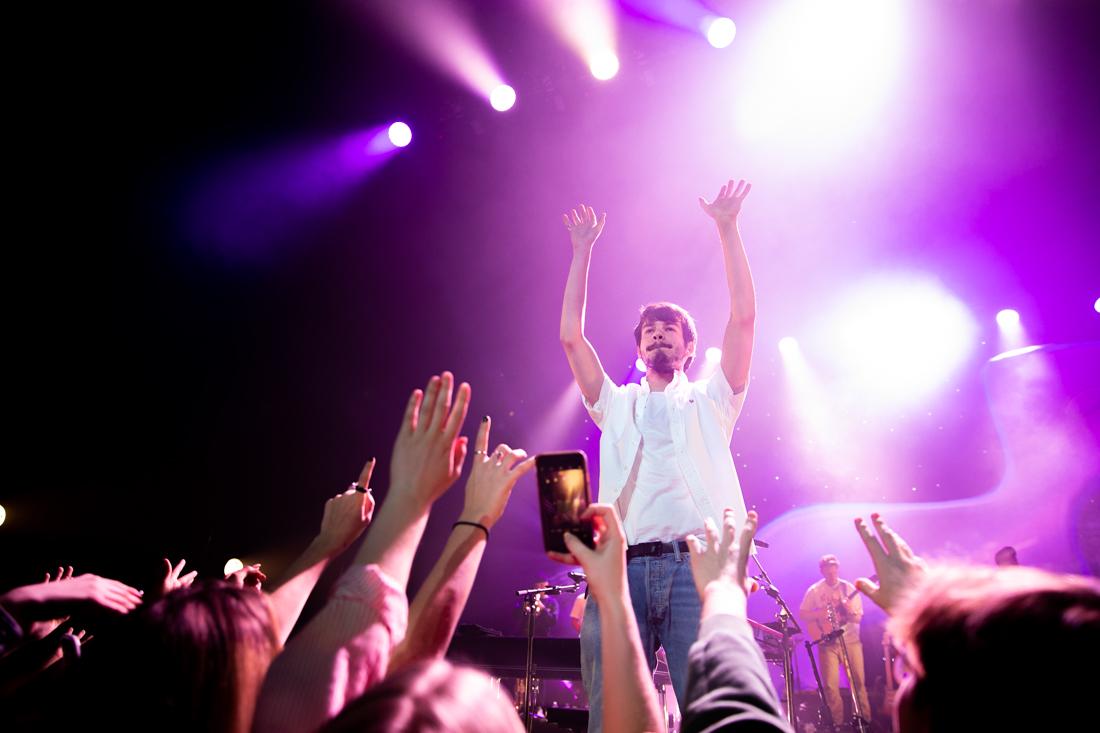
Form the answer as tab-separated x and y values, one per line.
563	497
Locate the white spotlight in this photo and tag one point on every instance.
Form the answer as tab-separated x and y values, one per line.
788	345
503	98
720	32
640	365
400	134
713	355
604	64
1008	319
1096	305
897	337
232	566
3	514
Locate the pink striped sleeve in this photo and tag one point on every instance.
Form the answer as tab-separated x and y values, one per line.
341	652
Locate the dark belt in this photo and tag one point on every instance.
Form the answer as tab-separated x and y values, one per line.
653	549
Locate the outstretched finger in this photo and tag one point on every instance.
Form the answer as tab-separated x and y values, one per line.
481	441
427	407
365	474
412	411
874	547
457	415
888	536
744	547
729	531
744	191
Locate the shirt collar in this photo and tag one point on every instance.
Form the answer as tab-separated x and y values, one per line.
679	381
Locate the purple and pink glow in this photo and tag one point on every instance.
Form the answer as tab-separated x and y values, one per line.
289	273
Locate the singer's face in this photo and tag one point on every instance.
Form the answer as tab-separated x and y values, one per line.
831	572
663	348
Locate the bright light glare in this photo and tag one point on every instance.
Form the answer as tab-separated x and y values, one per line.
400	134
3	513
1096	305
232	566
788	346
1008	319
604	64
720	32
822	70
713	355
503	97
640	365
896	338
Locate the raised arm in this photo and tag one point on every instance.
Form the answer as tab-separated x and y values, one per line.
439	602
346	516
728	683
629	699
584	229
346	647
737	342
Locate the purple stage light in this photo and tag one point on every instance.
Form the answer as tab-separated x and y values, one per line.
1008	319
502	98
400	134
720	32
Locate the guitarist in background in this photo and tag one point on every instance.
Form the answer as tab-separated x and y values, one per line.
833	606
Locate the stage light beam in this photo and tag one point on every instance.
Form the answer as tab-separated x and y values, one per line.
713	355
1008	319
720	32
232	565
1096	305
3	514
640	365
502	98
400	134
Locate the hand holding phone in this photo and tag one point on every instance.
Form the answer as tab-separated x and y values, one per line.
563	498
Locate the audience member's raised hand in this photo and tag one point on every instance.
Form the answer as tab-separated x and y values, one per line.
173	580
428	453
347	514
250	576
724	559
59	598
604	566
63	573
41	629
899	569
492	477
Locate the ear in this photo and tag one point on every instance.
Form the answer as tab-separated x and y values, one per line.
690	348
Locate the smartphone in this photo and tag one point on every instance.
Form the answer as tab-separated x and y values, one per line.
563	497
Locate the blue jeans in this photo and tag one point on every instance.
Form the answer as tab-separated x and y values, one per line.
667	608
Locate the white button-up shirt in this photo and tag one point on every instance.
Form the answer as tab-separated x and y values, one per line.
701	419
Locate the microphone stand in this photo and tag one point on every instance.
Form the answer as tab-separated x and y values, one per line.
530	597
790	629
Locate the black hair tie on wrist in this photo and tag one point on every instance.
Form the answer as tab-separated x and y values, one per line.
480	526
